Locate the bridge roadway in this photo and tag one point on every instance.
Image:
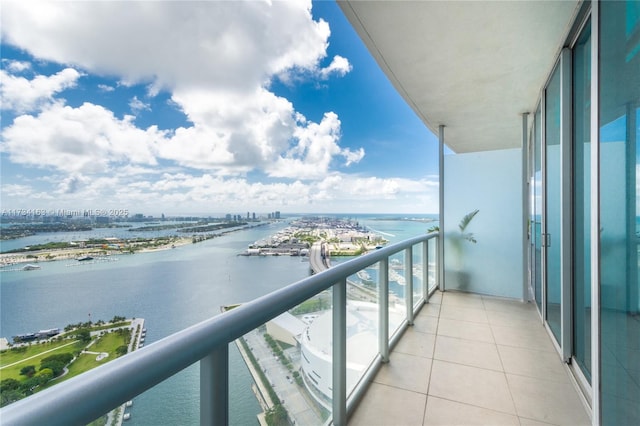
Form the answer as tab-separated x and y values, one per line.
318	264
355	290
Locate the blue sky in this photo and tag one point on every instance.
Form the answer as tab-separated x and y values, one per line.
203	108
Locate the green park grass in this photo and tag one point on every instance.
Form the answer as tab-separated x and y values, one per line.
32	356
108	343
83	363
15	361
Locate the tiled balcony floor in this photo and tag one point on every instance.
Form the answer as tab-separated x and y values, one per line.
476	360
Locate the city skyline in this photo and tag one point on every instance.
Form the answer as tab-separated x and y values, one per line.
204	107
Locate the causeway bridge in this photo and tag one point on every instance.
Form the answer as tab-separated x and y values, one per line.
318	257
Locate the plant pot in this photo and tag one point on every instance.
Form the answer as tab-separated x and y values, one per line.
456	279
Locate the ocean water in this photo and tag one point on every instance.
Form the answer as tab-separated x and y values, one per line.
171	289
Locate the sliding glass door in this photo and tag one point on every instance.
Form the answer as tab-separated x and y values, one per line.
553	204
619	126
535	206
581	193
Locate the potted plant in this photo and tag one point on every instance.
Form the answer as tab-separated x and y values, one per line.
457	276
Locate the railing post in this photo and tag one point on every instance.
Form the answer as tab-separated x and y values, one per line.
383	310
340	353
408	278
440	246
425	270
214	387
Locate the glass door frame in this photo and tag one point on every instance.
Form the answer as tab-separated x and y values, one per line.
534	210
589	12
569	351
565	345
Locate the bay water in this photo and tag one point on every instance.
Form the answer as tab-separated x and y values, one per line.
171	290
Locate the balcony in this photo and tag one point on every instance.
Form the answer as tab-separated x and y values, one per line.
472	359
484	359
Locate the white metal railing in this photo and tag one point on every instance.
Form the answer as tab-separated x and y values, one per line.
84	398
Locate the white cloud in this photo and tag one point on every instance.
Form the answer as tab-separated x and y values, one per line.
217	60
22	95
106	88
181	193
175	45
16	67
16	190
137	105
339	65
316	147
88	139
352	156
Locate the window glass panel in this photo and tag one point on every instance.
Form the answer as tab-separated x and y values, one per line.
537	203
553	203
582	201
619	101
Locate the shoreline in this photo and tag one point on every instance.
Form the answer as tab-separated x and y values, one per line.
53	255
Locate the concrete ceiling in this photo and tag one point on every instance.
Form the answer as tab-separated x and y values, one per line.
474	66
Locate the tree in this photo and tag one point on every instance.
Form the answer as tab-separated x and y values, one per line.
57	367
84	335
56	363
9	396
276	416
28	371
46	374
9	384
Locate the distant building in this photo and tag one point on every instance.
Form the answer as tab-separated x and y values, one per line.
362	336
286	328
102	219
43	334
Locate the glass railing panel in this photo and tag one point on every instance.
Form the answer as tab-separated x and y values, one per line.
432	264
289	361
397	287
182	407
362	323
417	273
290	358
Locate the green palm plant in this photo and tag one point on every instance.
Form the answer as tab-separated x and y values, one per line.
456	240
458	274
463	226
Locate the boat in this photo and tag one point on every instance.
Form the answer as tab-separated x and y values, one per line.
394	276
30	267
84	258
364	276
126	416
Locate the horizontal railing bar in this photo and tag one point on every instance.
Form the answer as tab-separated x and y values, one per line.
84	398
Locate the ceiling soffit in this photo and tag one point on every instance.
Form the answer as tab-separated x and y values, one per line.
474	66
